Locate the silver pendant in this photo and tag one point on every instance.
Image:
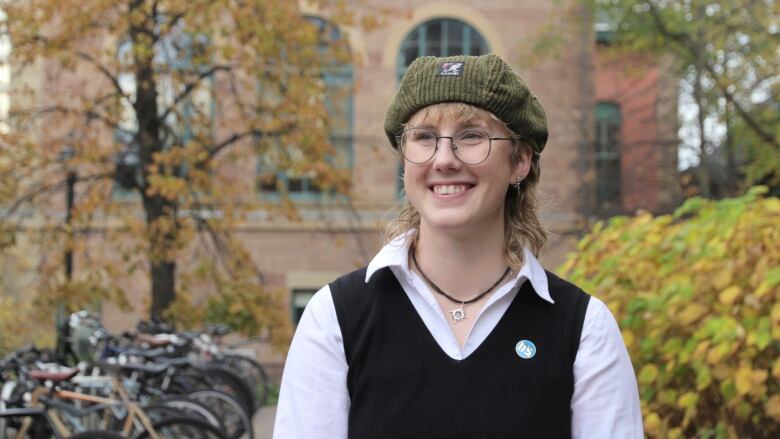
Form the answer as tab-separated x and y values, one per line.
458	314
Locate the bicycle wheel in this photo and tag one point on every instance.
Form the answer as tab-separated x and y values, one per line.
193	408
212	377
223	379
252	372
157	412
97	434
184	427
235	419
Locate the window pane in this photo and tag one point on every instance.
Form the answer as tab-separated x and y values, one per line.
433	38
607	154
295	184
478	45
267	182
455	34
410	48
300	298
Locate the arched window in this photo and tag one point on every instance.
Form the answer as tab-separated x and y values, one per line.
607	149
339	101
439	37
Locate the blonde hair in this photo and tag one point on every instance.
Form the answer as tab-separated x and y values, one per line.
522	227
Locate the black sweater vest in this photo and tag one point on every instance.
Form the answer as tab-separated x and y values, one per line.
402	385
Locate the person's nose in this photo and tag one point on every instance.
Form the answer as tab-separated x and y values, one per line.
445	158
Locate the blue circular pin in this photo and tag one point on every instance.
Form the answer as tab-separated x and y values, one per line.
525	349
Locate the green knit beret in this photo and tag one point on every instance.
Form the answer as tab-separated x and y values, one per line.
483	81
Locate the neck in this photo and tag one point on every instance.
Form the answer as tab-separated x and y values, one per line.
462	265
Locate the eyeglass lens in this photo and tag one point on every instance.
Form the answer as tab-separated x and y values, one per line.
418	145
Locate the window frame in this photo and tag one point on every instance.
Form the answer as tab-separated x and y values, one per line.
608	124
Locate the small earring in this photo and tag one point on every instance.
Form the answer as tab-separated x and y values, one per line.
517	182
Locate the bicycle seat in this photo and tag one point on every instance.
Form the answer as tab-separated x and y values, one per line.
154	341
55	377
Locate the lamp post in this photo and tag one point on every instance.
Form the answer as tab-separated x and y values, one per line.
66	154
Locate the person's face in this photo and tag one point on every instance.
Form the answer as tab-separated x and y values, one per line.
453	196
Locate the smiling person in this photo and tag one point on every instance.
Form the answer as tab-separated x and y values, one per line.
454	330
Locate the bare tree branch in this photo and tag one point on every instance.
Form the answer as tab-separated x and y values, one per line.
191	86
107	73
746	116
42	189
242	135
89	114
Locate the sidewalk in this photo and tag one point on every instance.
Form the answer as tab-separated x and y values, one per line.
263	422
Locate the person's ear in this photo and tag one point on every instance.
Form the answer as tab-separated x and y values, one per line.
522	164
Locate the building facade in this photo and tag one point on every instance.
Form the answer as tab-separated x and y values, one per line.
612	145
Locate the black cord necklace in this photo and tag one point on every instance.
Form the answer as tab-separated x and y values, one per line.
458	313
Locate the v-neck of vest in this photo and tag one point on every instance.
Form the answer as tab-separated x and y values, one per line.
524	289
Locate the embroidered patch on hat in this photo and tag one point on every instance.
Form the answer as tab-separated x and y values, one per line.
451	69
525	349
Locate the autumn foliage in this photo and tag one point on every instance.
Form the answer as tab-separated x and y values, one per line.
696	296
156	117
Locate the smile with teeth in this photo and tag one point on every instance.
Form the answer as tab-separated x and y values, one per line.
449	189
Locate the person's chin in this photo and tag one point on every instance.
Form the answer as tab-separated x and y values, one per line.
450	222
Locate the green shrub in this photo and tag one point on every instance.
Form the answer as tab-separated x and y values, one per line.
696	296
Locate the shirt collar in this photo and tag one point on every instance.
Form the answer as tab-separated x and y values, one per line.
396	254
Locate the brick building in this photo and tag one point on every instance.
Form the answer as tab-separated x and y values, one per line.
612	146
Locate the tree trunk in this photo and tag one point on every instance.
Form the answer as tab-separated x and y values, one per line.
698	96
163	228
161	213
163	286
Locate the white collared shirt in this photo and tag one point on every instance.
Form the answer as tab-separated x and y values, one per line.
314	401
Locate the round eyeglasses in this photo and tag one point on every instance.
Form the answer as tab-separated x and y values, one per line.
471	147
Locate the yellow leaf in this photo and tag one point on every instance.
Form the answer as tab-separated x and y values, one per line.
667	397
743	380
703	378
653	424
776	369
693	312
722	279
721	371
772	205
772	407
701	349
717	353
688	400
759	376
762	289
730	294
648	374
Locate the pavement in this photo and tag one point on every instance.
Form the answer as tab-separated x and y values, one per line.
263	422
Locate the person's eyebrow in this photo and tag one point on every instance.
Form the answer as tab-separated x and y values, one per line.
474	123
422	124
